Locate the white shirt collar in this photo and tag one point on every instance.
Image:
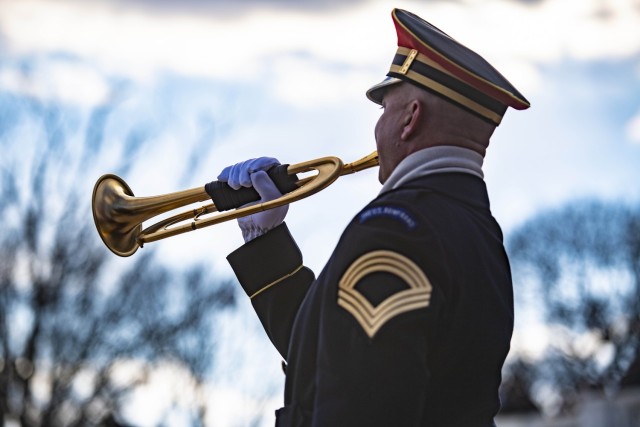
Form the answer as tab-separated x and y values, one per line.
432	160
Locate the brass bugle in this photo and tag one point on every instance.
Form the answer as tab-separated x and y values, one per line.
118	215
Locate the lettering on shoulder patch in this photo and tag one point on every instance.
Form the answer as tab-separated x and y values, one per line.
393	212
373	318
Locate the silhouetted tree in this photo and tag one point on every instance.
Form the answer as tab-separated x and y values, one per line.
80	329
580	267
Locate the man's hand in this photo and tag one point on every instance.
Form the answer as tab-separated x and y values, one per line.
251	173
238	175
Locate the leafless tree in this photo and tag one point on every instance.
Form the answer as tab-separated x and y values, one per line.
580	267
71	316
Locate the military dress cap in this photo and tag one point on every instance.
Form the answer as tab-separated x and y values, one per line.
433	61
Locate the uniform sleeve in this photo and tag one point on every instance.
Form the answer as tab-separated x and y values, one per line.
377	326
270	270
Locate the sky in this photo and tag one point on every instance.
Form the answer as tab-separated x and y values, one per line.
241	79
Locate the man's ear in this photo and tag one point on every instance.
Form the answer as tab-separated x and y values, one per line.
411	119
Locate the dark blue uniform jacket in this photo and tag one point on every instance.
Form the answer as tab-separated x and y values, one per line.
408	324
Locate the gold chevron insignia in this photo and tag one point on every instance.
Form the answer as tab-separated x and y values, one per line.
373	318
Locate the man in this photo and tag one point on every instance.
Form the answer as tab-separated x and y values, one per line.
410	321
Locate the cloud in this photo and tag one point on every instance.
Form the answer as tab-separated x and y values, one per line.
306	83
204	44
253	41
61	80
633	129
237	6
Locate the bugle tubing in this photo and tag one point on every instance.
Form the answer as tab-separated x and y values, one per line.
118	215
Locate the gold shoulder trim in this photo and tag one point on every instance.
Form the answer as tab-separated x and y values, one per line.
373	318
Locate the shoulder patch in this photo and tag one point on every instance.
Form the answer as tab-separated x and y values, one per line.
373	318
392	212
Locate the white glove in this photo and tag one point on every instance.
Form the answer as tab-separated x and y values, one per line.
238	175
250	173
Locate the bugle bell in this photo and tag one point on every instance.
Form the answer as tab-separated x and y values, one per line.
118	214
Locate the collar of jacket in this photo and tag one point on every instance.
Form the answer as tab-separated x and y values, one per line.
433	160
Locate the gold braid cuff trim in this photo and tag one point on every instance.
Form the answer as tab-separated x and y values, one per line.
275	282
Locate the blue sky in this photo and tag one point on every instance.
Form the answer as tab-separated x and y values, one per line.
287	79
268	78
